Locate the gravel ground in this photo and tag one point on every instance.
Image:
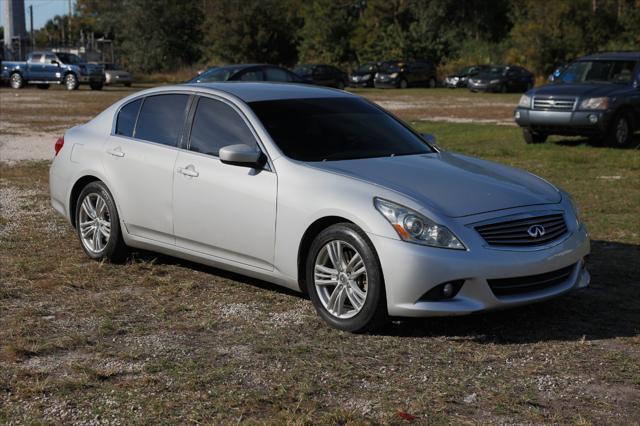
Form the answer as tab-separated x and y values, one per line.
14	148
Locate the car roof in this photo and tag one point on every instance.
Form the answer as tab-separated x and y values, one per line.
267	91
613	56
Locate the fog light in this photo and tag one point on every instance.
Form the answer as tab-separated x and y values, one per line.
517	115
443	291
593	118
447	290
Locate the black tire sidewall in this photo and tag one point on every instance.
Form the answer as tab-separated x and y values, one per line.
612	139
374	310
115	250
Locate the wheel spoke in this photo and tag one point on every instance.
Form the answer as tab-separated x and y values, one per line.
100	205
96	239
336	301
355	274
354	262
325	271
335	254
88	208
356	297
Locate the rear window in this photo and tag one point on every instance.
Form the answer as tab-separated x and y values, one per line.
127	118
161	118
276	74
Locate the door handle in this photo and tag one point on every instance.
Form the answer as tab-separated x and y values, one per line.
116	152
189	171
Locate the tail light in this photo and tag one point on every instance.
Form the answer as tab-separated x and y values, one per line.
59	144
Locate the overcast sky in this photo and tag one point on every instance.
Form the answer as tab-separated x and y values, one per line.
43	10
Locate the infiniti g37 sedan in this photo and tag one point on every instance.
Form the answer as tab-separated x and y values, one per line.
320	191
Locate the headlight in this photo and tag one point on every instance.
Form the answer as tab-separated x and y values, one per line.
595	103
394	75
377	74
365	77
411	226
574	207
525	101
494	82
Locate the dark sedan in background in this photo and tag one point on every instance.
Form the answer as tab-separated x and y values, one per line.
401	74
460	79
322	75
248	72
364	75
503	79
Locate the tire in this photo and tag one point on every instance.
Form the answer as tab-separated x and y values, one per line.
403	84
16	81
43	86
103	243
620	132
432	83
71	81
533	137
96	86
361	300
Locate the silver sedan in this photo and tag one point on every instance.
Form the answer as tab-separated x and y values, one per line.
320	191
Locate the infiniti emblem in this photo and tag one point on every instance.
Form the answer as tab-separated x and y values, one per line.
536	231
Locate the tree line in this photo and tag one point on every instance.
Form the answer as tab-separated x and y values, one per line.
164	35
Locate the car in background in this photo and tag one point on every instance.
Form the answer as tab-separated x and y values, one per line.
247	72
115	75
46	68
364	75
597	96
461	78
323	75
556	73
503	79
403	74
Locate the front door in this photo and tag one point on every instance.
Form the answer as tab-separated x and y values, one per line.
223	210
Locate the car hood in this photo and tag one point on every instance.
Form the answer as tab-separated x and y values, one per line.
453	184
570	89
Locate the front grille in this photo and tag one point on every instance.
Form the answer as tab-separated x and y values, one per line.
555	104
531	283
517	232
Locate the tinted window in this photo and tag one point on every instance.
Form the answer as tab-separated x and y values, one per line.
276	74
48	58
598	72
216	125
69	58
335	129
161	118
253	74
36	57
127	118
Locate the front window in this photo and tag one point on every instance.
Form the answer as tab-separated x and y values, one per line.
303	70
332	129
497	71
69	58
391	67
620	72
368	67
215	74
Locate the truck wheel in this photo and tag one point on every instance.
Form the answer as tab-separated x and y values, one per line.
71	82
620	131
16	80
43	86
533	137
96	86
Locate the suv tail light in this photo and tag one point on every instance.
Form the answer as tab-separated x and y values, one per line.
59	144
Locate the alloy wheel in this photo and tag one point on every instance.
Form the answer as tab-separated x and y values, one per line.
16	81
622	131
94	223
70	81
340	279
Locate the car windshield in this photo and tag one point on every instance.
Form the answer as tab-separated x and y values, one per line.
368	67
69	58
303	70
496	70
620	72
389	67
332	129
215	74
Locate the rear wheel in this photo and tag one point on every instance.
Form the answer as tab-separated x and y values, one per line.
533	137
620	131
344	279
98	224
16	80
71	81
403	84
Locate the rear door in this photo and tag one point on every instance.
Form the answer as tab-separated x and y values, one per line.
223	210
35	67
139	161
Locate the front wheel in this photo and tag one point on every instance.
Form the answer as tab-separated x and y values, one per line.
71	82
98	224
344	279
16	80
96	86
620	131
533	137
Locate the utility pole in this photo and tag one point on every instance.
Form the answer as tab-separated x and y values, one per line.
33	40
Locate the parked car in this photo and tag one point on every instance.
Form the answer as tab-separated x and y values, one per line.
556	73
247	72
400	74
597	96
323	75
116	75
461	78
502	79
45	68
319	191
364	75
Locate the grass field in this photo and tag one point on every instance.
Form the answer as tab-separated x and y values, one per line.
160	340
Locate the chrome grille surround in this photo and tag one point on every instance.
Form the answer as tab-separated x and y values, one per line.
516	232
552	103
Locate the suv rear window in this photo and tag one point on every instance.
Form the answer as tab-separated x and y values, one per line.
161	118
127	118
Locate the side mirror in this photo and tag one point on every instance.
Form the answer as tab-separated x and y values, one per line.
241	155
56	63
429	138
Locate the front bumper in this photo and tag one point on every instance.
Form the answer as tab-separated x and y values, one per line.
483	87
411	270
563	122
386	83
118	79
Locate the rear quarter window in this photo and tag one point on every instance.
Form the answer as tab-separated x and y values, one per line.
161	118
126	122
